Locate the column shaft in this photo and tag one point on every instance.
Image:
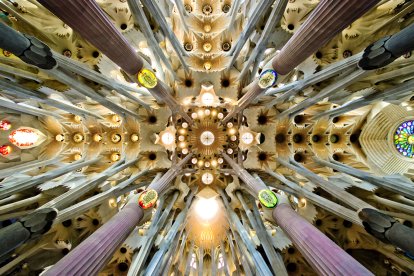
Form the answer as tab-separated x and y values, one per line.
328	19
322	254
91	22
92	254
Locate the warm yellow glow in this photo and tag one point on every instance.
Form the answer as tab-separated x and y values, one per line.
77	157
232	131
167	138
116	118
77	118
97	137
302	202
207	65
134	137
59	138
206	209
112	203
207	47
115	157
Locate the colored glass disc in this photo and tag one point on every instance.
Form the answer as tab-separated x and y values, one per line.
147	78
268	198
267	78
148	199
5	125
5	150
404	139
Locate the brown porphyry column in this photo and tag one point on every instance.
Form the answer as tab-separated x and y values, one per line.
327	20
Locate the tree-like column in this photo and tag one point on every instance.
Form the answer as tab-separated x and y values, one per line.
325	257
327	20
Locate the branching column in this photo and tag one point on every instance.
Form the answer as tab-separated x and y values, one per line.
323	255
328	19
244	101
161	185
91	255
254	185
90	21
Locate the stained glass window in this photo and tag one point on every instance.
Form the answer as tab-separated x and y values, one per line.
23	137
404	139
5	150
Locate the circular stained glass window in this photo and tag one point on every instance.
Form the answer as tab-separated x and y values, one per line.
404	139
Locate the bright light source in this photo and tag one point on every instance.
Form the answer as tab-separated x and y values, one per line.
23	137
207	138
247	138
207	178
167	138
207	99
206	209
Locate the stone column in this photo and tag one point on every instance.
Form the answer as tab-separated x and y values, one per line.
91	22
244	101
161	185
254	185
27	48
31	226
325	257
89	257
92	254
388	49
160	91
387	229
327	20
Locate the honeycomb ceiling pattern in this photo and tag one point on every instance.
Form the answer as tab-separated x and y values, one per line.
87	137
